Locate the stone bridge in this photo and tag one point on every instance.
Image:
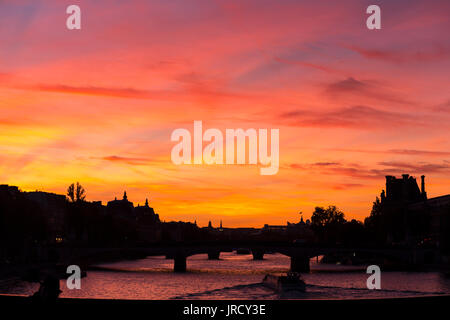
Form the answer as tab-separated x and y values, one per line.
299	254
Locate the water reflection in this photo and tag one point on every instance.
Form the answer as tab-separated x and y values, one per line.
233	277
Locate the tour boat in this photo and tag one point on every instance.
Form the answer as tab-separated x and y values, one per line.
284	282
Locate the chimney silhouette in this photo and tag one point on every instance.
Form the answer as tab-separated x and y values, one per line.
424	194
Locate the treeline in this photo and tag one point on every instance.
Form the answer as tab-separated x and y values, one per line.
330	226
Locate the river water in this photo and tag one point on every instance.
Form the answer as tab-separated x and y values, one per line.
235	277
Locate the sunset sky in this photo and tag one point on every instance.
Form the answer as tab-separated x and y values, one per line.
98	105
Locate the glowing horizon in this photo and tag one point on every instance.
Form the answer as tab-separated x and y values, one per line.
98	105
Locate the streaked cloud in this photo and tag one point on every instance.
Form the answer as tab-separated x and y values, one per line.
127	160
365	88
419	55
98	106
416	167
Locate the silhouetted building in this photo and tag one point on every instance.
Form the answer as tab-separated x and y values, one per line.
121	208
10	191
297	231
410	217
55	208
145	214
404	189
181	231
437	213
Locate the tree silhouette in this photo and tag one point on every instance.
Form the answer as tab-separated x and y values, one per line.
327	223
322	217
377	223
76	193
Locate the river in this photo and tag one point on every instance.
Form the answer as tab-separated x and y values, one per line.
235	277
